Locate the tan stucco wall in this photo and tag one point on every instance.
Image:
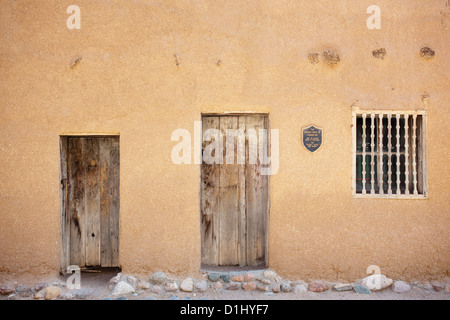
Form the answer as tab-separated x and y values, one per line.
128	82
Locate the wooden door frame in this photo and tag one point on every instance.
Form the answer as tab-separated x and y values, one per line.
65	217
266	231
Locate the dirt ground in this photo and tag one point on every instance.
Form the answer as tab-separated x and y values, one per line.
100	288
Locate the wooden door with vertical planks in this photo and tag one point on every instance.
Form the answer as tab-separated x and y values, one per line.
91	225
234	193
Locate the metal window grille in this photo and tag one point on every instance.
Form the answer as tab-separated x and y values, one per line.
389	154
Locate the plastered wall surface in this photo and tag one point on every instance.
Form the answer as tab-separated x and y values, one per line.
150	67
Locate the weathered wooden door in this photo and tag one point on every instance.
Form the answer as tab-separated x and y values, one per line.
234	193
90	172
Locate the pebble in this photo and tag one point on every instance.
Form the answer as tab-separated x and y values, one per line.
437	286
376	282
265	281
187	285
270	275
286	287
343	287
40	294
218	286
156	289
361	289
122	288
318	287
5	290
233	286
214	277
116	278
144	285
238	278
401	286
159	278
249	286
262	288
40	286
52	292
226	278
174	298
24	291
300	288
424	285
122	298
249	277
186	298
132	281
201	286
171	287
276	288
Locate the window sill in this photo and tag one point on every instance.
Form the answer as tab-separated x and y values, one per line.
391	196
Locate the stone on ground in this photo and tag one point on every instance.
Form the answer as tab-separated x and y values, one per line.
5	290
41	294
144	285
52	292
437	286
276	288
249	277
376	282
201	286
122	288
361	289
318	287
270	275
233	286
171	287
401	286
156	289
249	286
159	278
116	278
238	278
343	287
214	277
286	286
187	285
300	288
226	278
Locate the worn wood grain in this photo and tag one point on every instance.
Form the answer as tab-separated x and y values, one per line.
234	196
229	196
210	222
76	202
93	202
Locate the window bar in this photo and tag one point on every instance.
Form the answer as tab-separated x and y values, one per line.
364	154
372	153
398	152
406	155
389	154
414	153
380	156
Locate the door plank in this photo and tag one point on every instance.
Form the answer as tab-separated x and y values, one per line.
210	176
256	200
114	187
92	196
229	196
76	202
242	222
